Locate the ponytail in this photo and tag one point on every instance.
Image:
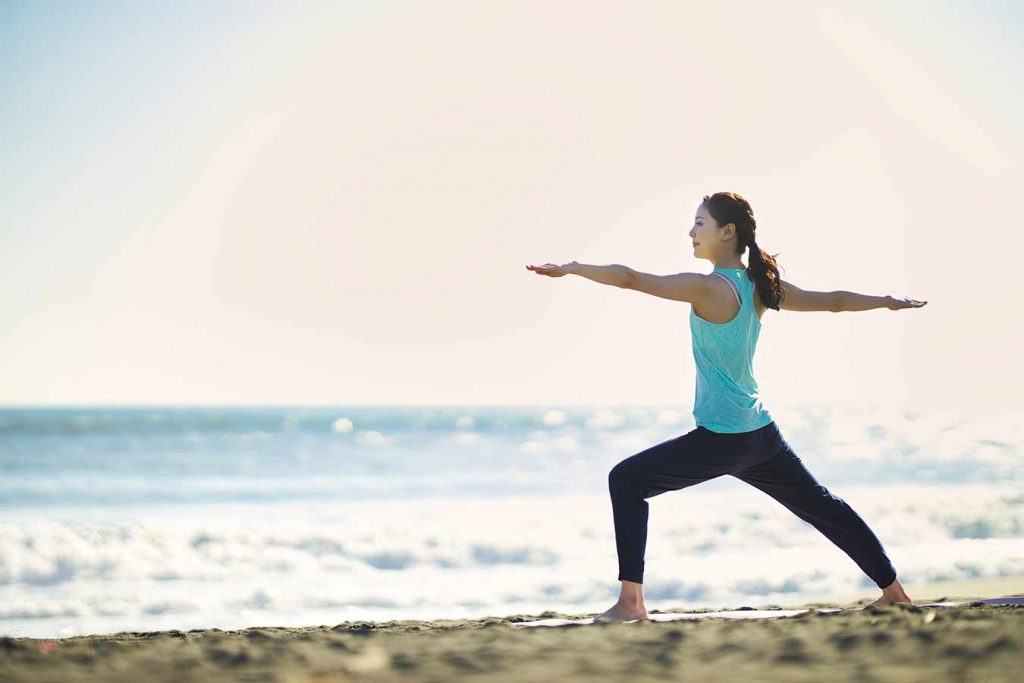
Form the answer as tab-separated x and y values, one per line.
764	271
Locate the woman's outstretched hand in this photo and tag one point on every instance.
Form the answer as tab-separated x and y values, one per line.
895	304
553	270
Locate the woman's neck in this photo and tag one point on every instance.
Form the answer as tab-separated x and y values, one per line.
737	264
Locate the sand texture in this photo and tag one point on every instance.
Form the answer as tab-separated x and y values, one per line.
893	643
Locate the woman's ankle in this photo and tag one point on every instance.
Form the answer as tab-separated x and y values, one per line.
631	593
631	599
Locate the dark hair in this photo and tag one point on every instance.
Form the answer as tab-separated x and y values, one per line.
729	207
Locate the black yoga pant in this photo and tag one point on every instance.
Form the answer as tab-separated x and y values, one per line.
761	458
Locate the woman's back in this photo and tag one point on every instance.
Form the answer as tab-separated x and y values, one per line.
726	397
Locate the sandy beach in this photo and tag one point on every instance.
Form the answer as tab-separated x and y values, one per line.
892	643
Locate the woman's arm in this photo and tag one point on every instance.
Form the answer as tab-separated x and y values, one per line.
679	287
852	301
797	299
614	274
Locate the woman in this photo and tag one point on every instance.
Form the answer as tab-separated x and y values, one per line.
734	434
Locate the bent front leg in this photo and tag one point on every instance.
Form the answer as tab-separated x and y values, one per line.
677	463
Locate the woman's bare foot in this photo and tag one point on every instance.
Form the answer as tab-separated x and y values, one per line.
621	611
892	594
888	601
630	605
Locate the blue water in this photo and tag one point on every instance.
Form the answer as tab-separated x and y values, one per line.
166	517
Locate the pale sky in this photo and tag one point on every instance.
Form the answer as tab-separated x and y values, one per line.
334	203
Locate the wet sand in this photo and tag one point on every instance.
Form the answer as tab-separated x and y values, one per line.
892	643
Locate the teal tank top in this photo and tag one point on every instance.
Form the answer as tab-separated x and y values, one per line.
727	398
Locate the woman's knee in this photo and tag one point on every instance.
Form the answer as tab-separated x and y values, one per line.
621	474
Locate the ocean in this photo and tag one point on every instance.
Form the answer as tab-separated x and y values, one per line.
152	517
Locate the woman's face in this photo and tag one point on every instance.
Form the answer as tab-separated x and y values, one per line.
703	234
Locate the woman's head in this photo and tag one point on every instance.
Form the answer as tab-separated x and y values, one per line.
724	228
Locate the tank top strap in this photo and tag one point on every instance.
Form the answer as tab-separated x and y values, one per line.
732	285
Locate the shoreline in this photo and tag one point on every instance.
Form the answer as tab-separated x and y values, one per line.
954	590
